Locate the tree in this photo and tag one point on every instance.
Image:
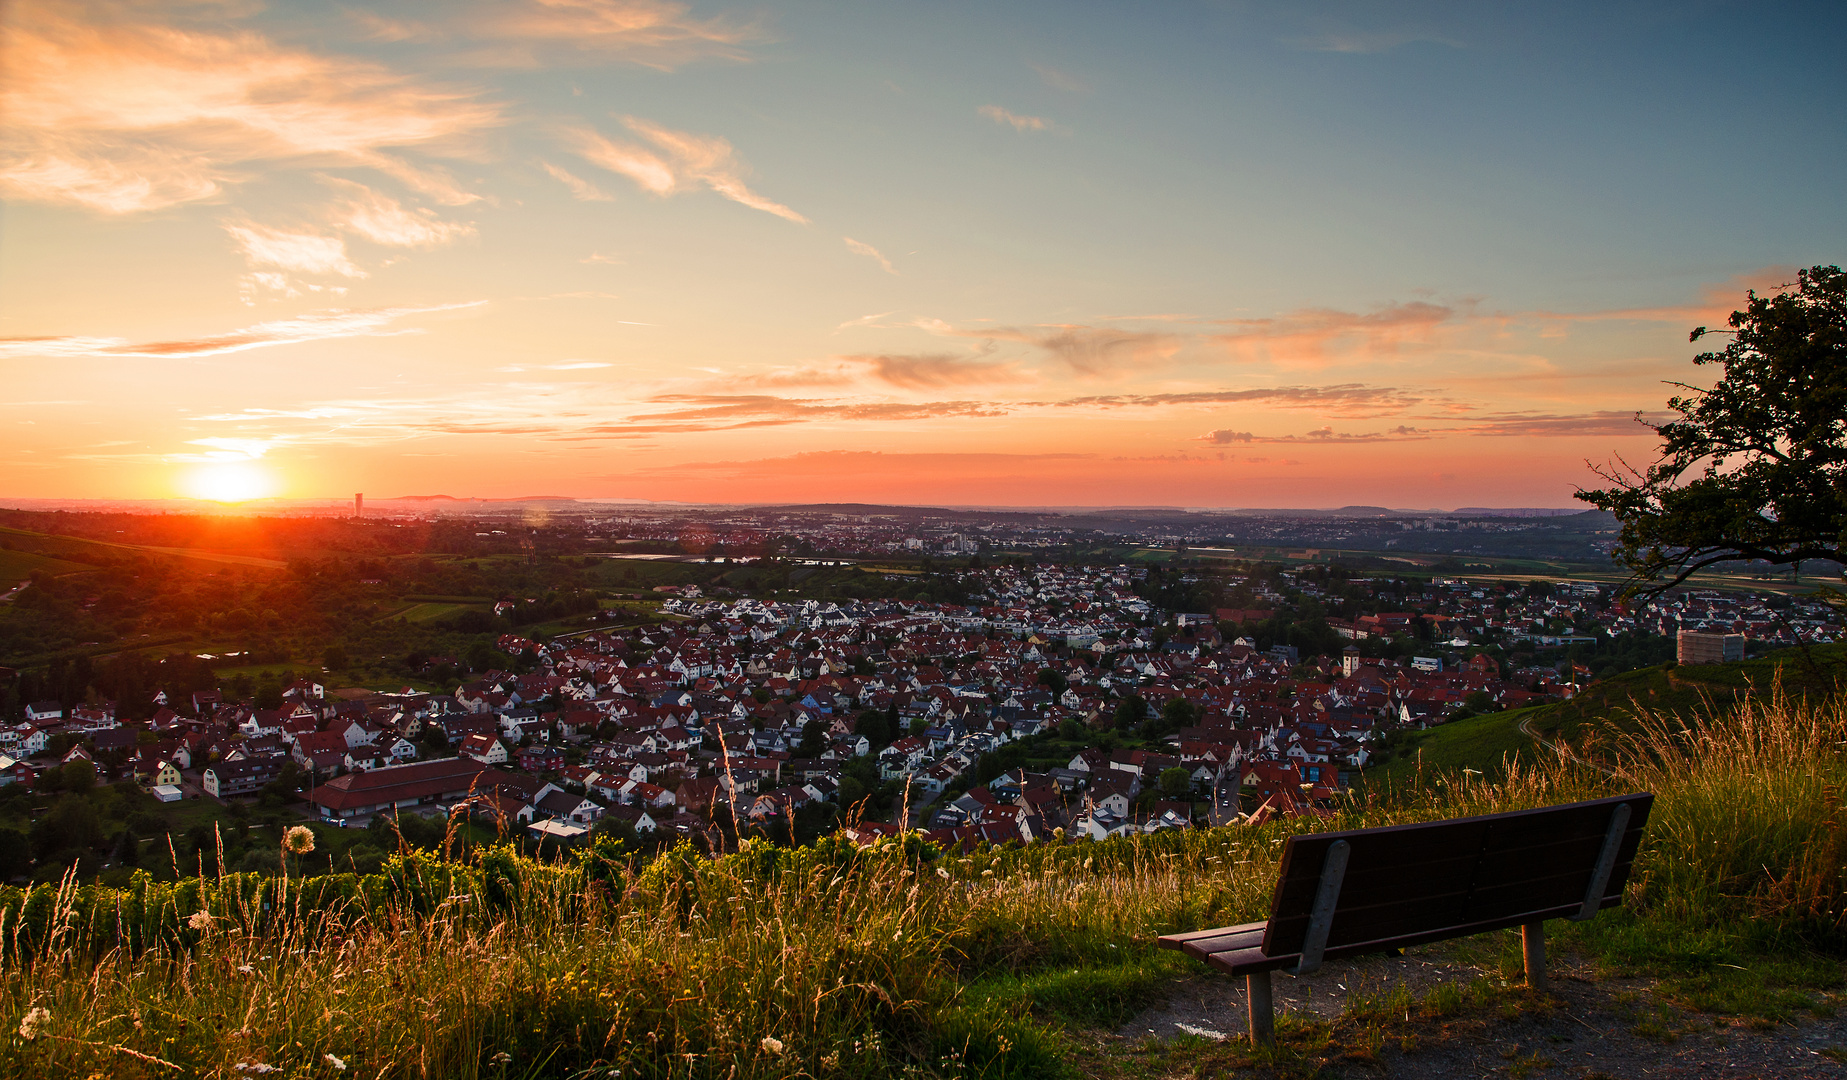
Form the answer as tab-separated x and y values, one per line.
1175	782
1130	711
814	740
79	776
1756	466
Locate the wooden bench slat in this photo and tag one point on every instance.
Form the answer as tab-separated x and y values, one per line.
1175	941
1404	885
1416	910
1454	871
1375	852
1249	961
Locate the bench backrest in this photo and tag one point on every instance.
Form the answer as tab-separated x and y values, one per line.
1440	879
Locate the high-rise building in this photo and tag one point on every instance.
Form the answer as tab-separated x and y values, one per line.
359	504
1697	648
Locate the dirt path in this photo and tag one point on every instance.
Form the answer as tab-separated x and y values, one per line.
1378	1020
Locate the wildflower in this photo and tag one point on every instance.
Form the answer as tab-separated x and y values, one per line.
257	1067
337	1063
299	840
200	920
942	873
501	1060
771	1044
987	873
35	1023
246	969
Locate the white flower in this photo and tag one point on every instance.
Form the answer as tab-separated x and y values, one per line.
771	1044
299	840
942	873
501	1060
246	969
35	1023
338	1065
257	1067
200	920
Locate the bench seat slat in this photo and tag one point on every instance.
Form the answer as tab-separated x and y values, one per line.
1176	941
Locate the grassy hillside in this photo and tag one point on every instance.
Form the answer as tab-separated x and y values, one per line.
1608	708
896	960
17	566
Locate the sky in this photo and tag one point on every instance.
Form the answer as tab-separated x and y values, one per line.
986	253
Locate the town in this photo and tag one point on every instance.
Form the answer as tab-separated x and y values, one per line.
1058	700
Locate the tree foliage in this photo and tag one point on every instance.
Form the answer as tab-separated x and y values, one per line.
1754	467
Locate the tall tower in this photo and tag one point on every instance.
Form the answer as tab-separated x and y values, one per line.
359	504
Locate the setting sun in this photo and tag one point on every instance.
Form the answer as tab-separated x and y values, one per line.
230	481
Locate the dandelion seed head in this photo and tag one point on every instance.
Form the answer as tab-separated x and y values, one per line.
299	840
771	1044
36	1022
199	920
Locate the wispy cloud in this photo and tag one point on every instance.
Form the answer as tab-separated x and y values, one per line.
307	253
1402	433
1310	333
316	327
1339	399
1014	120
568	365
581	188
1061	80
122	117
651	33
383	220
932	370
869	252
677	161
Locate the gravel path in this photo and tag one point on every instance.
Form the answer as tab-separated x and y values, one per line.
1589	1028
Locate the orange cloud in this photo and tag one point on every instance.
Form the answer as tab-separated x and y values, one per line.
922	371
679	161
1015	120
579	187
1310	332
870	252
651	33
1319	435
122	117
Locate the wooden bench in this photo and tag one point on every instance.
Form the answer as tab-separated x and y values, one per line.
1379	890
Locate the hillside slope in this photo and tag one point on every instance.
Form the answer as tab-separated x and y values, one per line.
1606	707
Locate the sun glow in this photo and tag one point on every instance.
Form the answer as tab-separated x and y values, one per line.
231	482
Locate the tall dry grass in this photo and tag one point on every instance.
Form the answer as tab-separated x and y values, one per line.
823	961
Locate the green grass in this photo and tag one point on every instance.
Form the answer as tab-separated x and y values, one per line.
1479	742
430	612
17	566
899	960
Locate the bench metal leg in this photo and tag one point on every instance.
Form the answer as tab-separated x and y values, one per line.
1533	946
1263	1014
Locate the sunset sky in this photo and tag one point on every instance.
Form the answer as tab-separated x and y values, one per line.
1195	254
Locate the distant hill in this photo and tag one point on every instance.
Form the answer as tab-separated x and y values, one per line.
471	499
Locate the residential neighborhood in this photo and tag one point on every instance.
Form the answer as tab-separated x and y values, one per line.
1061	700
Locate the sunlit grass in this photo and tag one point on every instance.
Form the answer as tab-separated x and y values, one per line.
833	961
